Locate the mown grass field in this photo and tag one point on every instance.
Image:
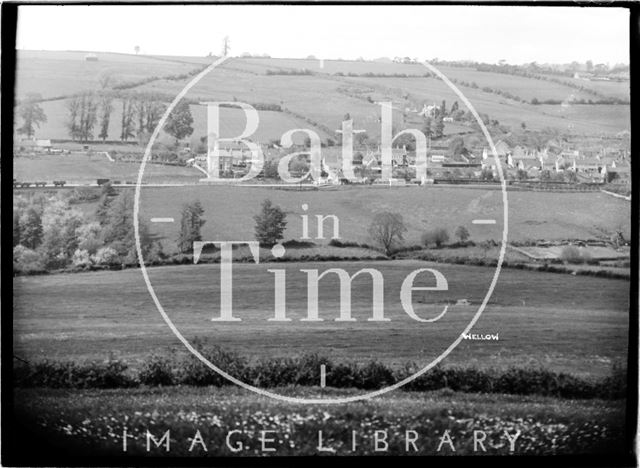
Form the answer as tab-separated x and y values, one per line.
81	168
229	211
562	322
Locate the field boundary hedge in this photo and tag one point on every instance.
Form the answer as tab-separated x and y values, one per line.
170	370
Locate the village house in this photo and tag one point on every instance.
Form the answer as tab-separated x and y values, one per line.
231	155
428	111
38	146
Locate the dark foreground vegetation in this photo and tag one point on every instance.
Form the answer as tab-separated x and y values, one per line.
305	371
81	422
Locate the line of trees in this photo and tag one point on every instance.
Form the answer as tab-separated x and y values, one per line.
140	114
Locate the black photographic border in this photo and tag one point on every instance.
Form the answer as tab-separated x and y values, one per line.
20	447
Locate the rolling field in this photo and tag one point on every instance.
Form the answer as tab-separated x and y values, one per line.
563	322
83	169
322	97
529	88
583	119
232	123
229	211
60	73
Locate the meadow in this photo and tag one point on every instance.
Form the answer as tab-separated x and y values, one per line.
85	169
61	73
229	211
560	322
92	422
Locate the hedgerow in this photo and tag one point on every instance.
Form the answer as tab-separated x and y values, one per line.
305	371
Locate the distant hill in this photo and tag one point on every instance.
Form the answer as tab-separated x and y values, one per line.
318	93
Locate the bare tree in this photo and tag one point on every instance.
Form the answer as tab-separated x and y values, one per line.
82	116
106	79
73	107
106	107
126	121
387	229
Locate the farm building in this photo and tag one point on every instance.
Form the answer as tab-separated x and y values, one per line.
428	111
40	146
231	155
589	166
619	174
91	58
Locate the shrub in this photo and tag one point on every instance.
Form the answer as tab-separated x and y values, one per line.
305	371
342	244
81	258
194	372
274	372
436	236
27	261
157	370
84	195
574	255
462	233
53	374
298	244
374	375
105	256
308	367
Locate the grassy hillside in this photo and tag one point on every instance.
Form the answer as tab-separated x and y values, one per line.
61	73
322	97
232	122
563	322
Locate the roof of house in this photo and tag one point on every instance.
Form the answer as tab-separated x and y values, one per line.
589	162
502	148
623	169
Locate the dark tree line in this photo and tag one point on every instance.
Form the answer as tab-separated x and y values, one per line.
140	114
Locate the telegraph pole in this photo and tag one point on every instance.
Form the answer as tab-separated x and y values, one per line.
226	46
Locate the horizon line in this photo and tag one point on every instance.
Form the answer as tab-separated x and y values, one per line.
258	56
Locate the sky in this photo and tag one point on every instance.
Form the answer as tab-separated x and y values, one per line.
480	33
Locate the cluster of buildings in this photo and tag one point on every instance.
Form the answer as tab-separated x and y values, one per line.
517	162
592	166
